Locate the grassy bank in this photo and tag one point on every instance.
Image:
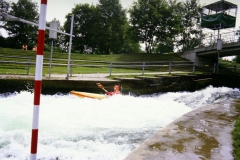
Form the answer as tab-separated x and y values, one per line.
95	57
236	140
14	61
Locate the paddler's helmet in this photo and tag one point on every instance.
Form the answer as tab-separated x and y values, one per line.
116	87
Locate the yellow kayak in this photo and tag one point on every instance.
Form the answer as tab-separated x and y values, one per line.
88	95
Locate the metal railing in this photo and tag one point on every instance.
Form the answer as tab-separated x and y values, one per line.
227	37
113	67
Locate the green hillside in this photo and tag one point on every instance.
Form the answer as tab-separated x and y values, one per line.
17	61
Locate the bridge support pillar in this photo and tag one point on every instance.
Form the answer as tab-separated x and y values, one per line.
192	56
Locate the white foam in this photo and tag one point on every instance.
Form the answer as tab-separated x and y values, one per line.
75	128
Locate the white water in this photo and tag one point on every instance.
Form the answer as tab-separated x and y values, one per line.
88	129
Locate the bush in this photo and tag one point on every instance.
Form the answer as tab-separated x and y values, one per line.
237	59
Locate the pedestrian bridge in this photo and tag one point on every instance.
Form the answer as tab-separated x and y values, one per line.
210	53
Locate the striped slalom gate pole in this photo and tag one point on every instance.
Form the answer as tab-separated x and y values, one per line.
38	78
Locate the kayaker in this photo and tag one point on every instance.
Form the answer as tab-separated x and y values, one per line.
115	91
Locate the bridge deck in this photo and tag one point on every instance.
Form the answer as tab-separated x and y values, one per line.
229	49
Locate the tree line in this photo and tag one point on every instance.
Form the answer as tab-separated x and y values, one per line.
107	28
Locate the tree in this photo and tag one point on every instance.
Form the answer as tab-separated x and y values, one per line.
111	25
19	31
237	59
190	33
100	28
3	41
4	7
154	22
131	43
85	27
164	47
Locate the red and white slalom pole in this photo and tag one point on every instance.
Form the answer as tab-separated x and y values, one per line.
38	78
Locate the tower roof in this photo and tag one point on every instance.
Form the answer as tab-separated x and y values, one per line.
221	5
219	15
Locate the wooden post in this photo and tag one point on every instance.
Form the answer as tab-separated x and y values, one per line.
143	67
170	67
110	72
28	66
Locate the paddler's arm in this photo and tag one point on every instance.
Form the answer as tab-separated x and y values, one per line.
110	93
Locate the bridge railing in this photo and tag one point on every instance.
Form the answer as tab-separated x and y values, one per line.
227	38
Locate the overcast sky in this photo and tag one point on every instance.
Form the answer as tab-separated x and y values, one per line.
60	8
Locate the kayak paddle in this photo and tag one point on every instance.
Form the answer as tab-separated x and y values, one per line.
101	86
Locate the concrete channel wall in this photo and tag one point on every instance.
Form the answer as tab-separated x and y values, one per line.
204	133
138	85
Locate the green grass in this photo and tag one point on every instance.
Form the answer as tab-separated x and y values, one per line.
228	65
236	140
108	58
89	63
